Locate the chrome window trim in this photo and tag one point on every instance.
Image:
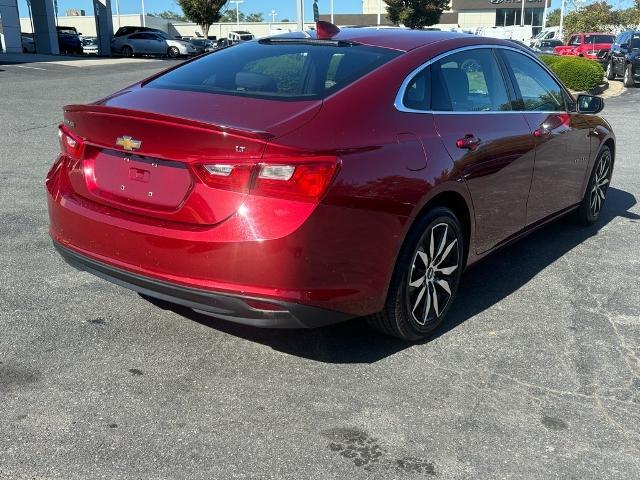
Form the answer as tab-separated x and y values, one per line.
399	105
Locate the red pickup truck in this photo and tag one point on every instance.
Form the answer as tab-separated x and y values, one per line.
586	45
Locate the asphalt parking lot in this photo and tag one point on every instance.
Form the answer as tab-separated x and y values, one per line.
535	376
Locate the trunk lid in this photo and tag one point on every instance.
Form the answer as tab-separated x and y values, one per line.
141	150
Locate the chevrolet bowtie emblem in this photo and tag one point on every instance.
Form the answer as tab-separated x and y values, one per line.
128	143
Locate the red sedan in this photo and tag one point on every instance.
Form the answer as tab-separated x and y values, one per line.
304	179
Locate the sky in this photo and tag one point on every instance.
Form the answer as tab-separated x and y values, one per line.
284	8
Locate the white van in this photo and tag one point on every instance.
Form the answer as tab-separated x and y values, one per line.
549	33
512	32
239	36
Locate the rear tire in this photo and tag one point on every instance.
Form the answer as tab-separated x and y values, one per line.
425	279
628	76
596	194
611	75
127	51
173	52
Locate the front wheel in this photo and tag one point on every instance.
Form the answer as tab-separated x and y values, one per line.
173	52
425	279
596	193
611	75
628	76
127	51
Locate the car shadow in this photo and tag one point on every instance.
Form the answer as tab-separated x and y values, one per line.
482	286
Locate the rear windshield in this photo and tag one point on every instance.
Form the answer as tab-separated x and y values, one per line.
599	38
277	70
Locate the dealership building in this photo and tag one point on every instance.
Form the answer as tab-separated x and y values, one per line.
466	14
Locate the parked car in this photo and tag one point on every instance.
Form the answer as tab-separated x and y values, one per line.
546	46
151	43
90	46
586	45
28	45
69	40
307	178
128	30
624	58
202	45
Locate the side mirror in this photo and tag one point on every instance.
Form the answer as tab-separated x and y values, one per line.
79	33
589	104
624	46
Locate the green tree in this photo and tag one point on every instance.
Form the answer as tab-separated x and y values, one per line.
229	16
169	15
287	20
255	17
415	13
202	12
553	18
593	18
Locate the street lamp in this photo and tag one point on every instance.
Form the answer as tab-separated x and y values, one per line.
237	2
332	12
273	14
143	14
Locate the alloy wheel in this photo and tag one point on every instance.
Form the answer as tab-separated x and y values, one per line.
433	274
601	177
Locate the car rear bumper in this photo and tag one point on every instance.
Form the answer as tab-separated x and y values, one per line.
233	308
326	257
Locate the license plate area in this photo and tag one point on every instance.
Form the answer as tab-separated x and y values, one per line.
138	180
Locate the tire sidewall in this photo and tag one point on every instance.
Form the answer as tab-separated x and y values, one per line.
173	52
628	76
402	314
585	209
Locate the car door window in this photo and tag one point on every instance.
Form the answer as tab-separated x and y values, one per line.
137	36
575	41
635	41
536	87
468	81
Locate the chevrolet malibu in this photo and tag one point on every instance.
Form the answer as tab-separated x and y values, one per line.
304	179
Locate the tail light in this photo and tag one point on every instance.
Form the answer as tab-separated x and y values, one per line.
70	143
289	178
227	176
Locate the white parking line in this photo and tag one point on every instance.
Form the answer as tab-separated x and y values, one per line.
24	66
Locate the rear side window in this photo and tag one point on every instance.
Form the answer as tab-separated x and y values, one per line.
635	41
417	95
599	38
276	70
468	81
538	90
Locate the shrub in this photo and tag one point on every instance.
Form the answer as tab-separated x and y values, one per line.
577	73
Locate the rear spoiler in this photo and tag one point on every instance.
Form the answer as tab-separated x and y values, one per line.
159	117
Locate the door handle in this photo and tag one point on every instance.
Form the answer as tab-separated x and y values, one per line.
469	141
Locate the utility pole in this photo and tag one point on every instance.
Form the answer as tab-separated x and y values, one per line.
273	14
237	2
332	12
379	11
143	14
300	14
561	34
522	13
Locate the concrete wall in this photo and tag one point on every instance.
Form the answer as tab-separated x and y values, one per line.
87	24
476	18
220	30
